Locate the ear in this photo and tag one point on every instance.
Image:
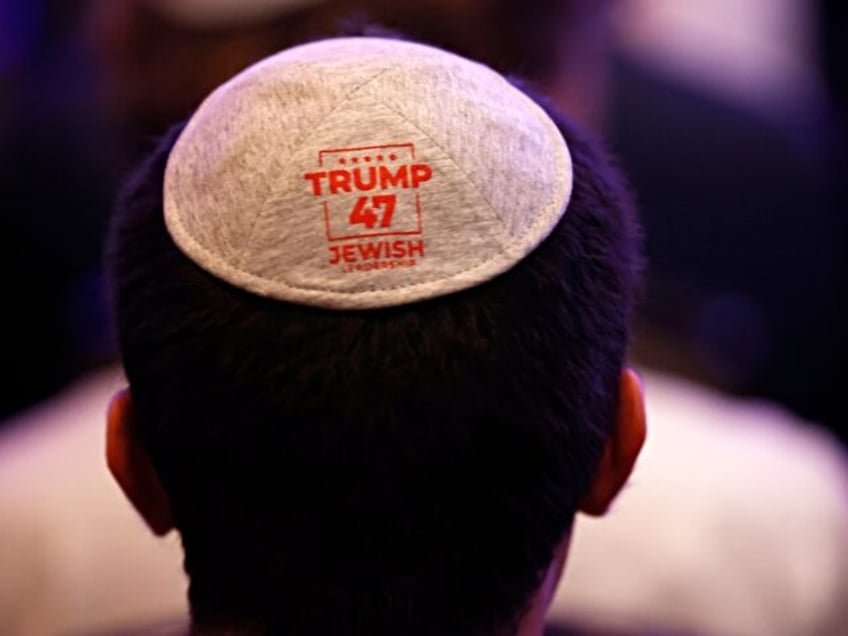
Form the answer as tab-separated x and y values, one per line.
622	448
131	467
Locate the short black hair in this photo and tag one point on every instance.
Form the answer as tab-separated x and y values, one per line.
408	470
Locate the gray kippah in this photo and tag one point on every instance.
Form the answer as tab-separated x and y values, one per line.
362	172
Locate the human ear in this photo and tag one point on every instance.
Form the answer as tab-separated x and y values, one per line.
131	466
622	448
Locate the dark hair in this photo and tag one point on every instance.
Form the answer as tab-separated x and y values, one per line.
399	471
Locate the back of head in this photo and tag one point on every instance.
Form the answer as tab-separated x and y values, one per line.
351	462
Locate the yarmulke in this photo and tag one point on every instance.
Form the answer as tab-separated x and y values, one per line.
222	13
358	173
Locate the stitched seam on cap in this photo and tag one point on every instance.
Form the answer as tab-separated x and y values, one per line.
542	117
221	264
273	287
295	149
448	155
270	282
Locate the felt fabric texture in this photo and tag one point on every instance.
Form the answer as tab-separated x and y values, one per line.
213	14
357	173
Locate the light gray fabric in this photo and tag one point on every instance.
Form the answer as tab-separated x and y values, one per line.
283	181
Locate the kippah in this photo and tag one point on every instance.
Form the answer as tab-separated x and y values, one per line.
358	173
223	13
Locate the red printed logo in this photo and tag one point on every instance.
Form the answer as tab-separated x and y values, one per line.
371	204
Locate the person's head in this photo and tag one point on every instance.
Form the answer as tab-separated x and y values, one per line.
363	434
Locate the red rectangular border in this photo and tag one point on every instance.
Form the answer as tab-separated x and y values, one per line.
351	237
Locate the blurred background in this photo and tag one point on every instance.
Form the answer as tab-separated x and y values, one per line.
729	116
